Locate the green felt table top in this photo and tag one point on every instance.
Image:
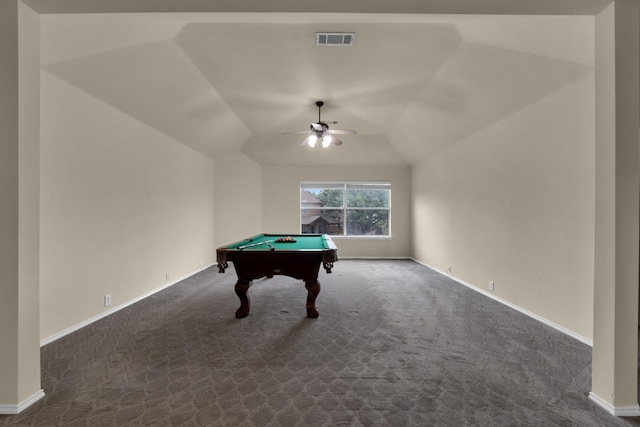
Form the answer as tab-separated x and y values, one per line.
302	242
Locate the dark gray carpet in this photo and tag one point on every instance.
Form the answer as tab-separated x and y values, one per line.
396	344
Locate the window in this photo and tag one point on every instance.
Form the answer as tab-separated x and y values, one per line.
345	208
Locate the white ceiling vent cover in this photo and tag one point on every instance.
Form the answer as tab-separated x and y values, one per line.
334	39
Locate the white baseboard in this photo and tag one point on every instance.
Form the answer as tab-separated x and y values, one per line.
515	307
462	282
618	411
89	321
375	257
16	409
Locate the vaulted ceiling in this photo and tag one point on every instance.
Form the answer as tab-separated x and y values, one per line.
411	84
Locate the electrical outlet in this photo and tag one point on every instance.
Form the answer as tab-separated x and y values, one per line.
449	271
107	300
491	285
166	277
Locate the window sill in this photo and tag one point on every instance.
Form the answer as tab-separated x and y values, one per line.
340	237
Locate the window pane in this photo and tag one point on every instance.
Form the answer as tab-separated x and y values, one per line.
369	185
320	184
321	197
322	221
367	222
364	205
309	200
367	198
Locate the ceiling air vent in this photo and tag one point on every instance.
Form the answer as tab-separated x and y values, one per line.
334	39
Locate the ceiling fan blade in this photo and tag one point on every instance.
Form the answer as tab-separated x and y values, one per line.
341	132
305	141
302	131
335	141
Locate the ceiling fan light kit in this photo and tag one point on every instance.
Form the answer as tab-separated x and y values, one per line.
320	131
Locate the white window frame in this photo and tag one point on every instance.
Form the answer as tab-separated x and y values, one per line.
344	186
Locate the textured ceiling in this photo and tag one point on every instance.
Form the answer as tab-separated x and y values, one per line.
410	85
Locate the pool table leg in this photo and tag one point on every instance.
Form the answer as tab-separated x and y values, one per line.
313	289
242	286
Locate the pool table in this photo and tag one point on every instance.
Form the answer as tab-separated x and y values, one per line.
265	255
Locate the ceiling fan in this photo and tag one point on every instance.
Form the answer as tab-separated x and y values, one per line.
320	132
